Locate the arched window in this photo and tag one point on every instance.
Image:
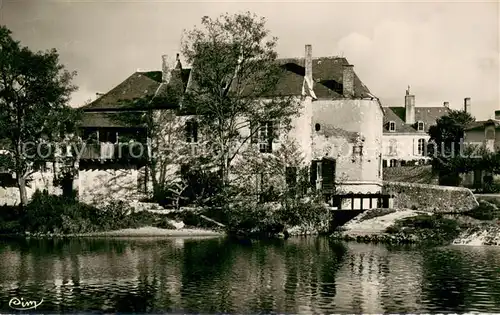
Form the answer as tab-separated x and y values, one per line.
421	146
317	127
490	134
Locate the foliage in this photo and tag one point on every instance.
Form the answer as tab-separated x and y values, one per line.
34	90
485	210
250	218
60	215
447	147
234	69
426	228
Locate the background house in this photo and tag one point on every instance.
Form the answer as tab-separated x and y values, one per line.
405	131
485	133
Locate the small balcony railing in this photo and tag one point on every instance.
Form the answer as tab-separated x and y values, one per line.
115	151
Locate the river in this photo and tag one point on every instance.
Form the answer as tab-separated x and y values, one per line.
298	275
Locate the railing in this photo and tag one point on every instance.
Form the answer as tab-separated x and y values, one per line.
111	151
377	200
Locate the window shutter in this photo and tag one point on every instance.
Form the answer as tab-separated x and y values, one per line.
194	127
291	176
314	173
276	131
254	131
270	136
188	131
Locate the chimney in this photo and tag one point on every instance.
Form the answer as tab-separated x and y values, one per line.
165	69
409	107
308	64
446	104
178	64
467	105
348	80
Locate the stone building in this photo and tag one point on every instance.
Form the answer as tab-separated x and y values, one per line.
338	131
485	133
405	131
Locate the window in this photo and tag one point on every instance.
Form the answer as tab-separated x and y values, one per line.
421	146
357	150
490	134
191	131
420	126
264	134
108	136
317	127
291	179
291	176
392	126
142	180
393	147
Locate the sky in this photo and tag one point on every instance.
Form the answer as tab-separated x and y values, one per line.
445	51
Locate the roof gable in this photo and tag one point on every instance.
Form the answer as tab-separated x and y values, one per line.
136	86
327	76
480	125
427	115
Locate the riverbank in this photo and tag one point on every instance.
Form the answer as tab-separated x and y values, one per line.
151	231
399	226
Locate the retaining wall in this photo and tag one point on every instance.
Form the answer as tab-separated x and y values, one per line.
431	198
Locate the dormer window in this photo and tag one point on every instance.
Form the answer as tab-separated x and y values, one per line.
392	126
420	126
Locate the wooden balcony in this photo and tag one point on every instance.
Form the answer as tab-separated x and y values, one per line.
106	151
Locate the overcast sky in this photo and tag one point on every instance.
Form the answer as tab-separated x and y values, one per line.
445	51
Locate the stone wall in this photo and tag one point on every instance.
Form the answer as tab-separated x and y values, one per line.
431	198
100	184
421	174
9	195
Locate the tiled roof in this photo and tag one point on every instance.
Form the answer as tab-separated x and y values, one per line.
478	125
428	115
327	77
136	86
109	119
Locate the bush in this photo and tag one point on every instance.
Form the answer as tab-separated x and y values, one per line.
61	215
426	228
485	211
269	219
251	219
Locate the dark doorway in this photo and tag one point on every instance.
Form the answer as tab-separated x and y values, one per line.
324	169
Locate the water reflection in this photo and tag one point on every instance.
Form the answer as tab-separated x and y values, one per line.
300	275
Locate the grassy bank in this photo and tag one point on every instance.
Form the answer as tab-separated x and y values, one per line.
56	215
479	226
402	226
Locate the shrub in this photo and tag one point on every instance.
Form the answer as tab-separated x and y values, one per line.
57	214
426	228
251	218
269	219
485	211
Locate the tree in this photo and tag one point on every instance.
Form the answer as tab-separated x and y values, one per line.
34	90
235	74
447	146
